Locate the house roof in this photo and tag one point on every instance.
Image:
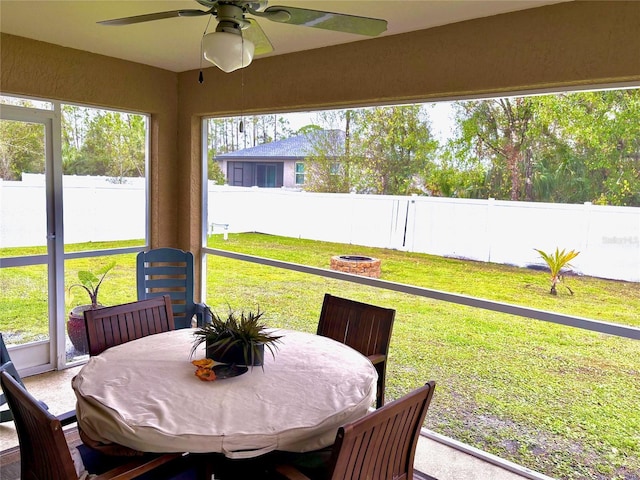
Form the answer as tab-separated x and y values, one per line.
292	148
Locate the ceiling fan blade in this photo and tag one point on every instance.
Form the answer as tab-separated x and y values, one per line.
208	3
154	16
326	20
255	33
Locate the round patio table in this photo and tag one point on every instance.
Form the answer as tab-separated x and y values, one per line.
144	395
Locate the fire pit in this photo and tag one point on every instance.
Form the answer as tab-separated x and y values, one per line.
356	264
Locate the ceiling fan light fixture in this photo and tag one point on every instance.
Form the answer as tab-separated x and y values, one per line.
228	51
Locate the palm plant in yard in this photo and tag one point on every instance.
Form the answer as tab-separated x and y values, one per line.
556	262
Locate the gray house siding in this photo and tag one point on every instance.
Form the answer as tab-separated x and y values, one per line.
259	174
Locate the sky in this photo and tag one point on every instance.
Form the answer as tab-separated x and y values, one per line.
442	122
440	113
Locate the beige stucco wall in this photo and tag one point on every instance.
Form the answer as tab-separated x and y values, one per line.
564	45
574	44
28	67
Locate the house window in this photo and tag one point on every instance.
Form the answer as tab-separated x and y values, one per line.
238	174
266	175
299	173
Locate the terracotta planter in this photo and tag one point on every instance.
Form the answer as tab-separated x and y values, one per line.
76	329
234	354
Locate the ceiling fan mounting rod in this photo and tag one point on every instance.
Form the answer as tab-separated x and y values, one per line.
230	15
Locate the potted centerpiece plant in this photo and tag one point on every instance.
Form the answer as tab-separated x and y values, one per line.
89	282
236	338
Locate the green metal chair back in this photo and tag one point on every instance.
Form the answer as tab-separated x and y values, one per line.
169	271
7	365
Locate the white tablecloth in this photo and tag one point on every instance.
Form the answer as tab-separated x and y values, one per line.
144	395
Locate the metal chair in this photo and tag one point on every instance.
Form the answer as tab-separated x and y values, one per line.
366	328
109	326
7	365
169	271
44	453
379	446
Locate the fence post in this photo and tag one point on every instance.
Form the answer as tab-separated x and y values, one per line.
2	215
491	203
587	224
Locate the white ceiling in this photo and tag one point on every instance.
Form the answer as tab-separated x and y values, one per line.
174	44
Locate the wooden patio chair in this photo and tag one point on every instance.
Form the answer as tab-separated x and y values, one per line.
44	453
363	327
109	326
169	271
7	365
379	446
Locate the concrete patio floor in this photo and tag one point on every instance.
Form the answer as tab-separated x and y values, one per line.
433	458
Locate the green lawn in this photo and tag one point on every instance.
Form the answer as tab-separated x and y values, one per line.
558	400
23	297
555	399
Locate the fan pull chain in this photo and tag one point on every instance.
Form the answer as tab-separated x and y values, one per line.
201	75
241	126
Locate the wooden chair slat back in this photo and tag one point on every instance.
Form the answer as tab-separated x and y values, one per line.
382	445
109	326
44	453
364	327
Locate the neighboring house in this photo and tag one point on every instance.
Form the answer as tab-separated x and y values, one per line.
273	165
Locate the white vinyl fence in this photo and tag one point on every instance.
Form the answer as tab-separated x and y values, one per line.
608	238
94	210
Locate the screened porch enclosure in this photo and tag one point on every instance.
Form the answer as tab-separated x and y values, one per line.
555	47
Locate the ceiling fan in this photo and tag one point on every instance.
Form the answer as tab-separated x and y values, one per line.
237	38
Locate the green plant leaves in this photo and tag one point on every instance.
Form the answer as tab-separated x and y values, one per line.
556	262
244	329
91	282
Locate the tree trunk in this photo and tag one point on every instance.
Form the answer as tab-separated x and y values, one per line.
528	175
513	158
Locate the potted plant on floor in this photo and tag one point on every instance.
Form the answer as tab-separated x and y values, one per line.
90	282
236	339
